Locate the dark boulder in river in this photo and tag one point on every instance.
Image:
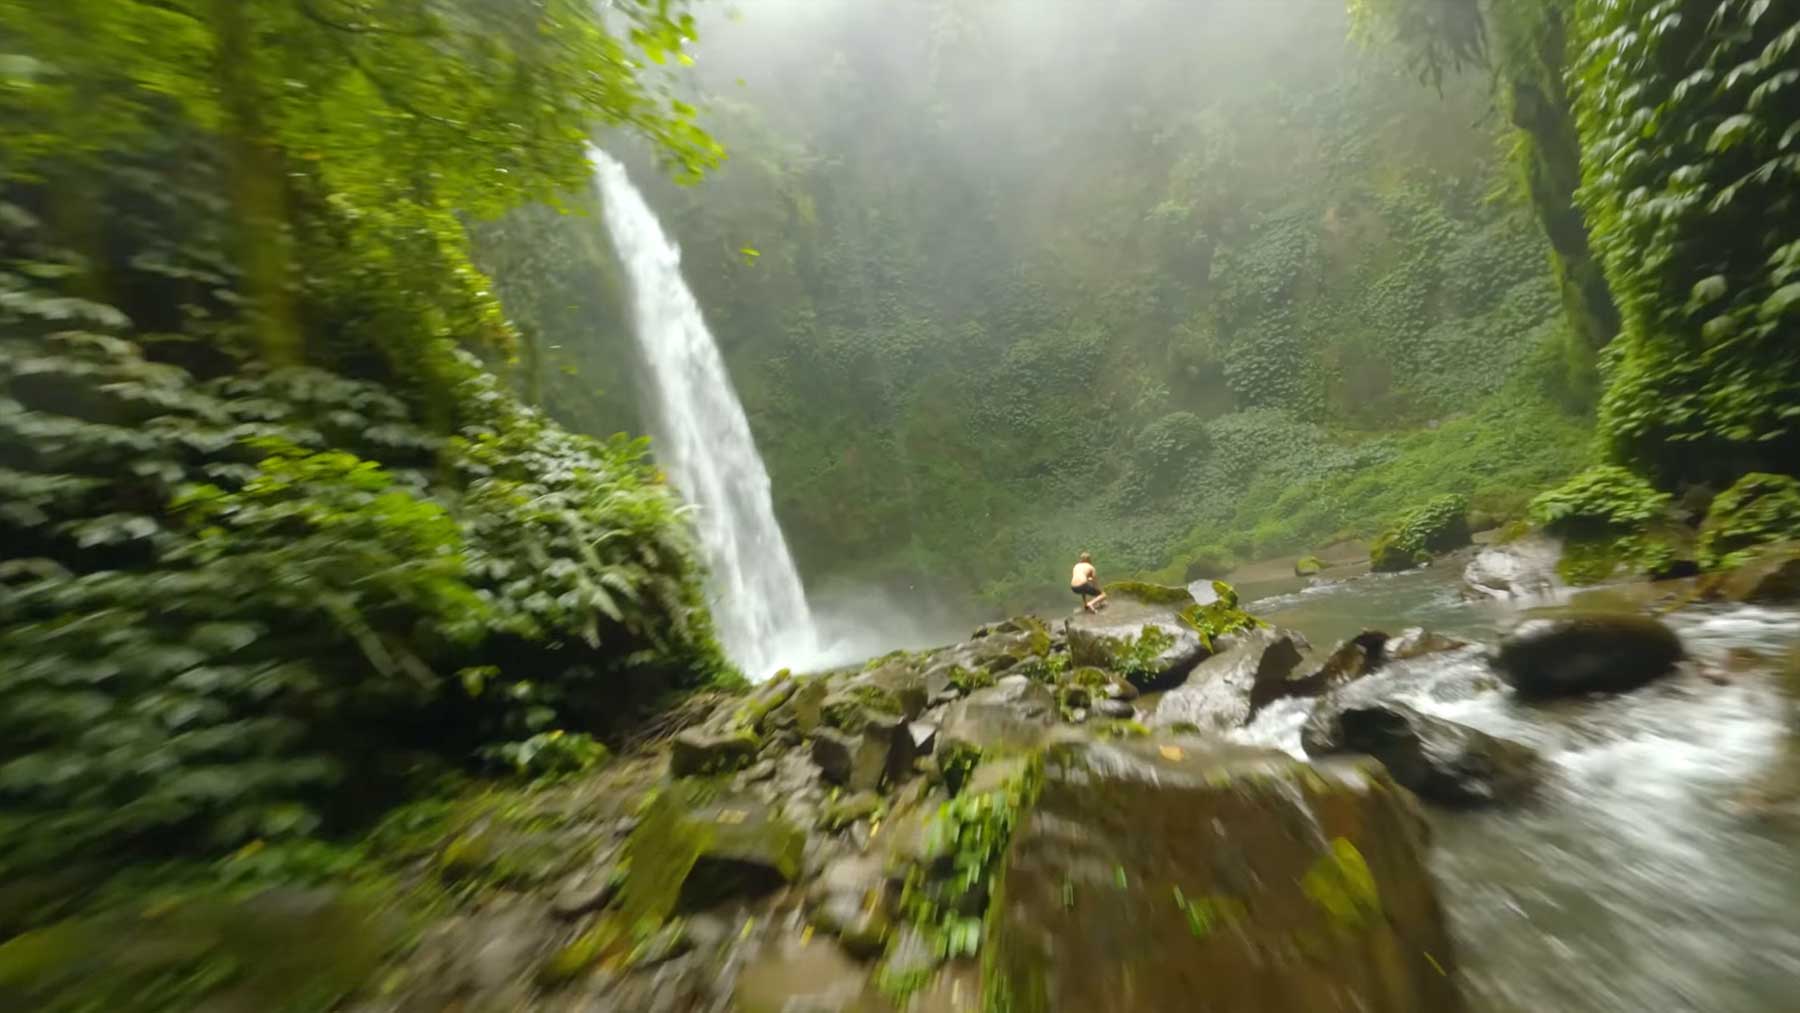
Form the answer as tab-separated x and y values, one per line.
1182	876
1218	696
1440	760
1594	653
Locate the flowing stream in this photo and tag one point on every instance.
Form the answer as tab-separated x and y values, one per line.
700	435
1636	879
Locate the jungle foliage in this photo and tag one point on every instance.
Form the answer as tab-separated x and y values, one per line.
1683	116
277	547
1231	303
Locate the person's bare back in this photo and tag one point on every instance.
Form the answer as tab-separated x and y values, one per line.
1084	580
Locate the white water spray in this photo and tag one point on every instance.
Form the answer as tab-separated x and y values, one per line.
700	435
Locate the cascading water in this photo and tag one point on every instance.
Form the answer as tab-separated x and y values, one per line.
703	440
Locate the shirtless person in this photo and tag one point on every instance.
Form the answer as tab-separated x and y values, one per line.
1086	583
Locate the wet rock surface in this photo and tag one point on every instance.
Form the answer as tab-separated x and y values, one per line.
1197	876
844	841
1441	761
1586	653
1525	568
1219	695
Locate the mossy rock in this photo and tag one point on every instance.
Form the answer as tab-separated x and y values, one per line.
696	845
1391	554
1308	566
279	950
699	752
1439	525
1149	594
847	809
1238	874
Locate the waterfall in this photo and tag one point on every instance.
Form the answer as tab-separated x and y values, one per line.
702	439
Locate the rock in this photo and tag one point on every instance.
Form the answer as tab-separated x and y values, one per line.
910	962
1349	661
760	771
862	927
1771	575
695	848
1114	709
1598	652
1149	594
797	978
1416	643
1088	648
924	737
1525	568
755	709
805	709
1441	761
587	891
1308	566
1013	714
1182	651
849	809
850	900
856	760
1217	695
901	689
701	751
1168	877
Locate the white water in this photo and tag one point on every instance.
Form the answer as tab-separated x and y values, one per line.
1635	878
702	439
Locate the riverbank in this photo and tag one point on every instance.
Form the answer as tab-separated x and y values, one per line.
877	838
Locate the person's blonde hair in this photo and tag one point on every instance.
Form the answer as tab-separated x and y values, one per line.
1086	558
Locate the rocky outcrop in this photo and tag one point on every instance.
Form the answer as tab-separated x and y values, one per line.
694	848
1192	876
698	751
1219	695
1441	761
1415	642
1770	575
1525	568
1348	662
1586	653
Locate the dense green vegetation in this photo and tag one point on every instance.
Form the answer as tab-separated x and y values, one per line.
278	548
1230	303
1682	114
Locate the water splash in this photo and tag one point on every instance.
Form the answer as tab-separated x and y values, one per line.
703	440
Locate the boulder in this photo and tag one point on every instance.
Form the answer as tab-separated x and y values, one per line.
1180	650
702	751
1771	575
1217	695
1416	643
1441	761
1525	568
1348	661
1008	717
1182	876
897	687
1117	709
1586	653
695	848
1308	566
881	749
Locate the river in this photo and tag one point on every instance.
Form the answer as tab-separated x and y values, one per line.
1636	879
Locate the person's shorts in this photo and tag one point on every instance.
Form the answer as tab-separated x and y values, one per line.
1087	590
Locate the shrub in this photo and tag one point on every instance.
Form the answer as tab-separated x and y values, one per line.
1685	112
1608	518
1601	501
229	595
1758	509
1439	525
